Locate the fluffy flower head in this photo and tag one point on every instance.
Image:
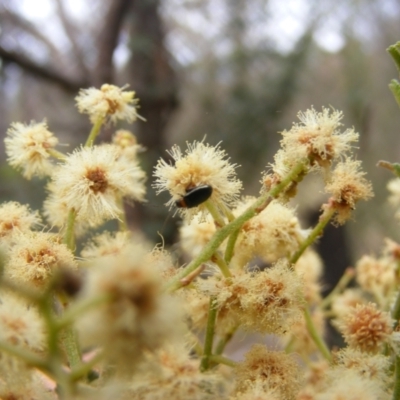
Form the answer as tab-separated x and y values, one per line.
27	148
127	143
106	244
201	164
174	375
195	234
366	328
318	135
137	315
107	102
16	218
20	325
348	186
377	276
271	234
273	370
35	258
92	182
264	301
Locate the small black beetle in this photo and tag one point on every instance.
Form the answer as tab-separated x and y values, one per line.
195	197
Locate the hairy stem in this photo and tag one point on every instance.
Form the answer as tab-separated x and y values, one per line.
69	237
341	285
70	344
315	233
57	154
77	309
82	369
27	356
230	248
209	339
218	219
94	132
320	343
122	221
396	391
225	340
223	266
218	359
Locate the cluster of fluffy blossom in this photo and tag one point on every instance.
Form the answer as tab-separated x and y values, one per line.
27	148
272	234
172	374
270	374
123	310
35	259
318	137
16	219
265	301
31	258
93	181
347	186
318	143
135	314
378	276
107	102
201	164
22	327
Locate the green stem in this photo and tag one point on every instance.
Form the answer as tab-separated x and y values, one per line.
94	132
67	336
57	154
27	356
77	309
218	359
228	213
224	232
340	286
396	391
219	221
70	344
69	237
122	221
230	247
315	233
225	340
83	368
396	310
322	347
46	311
289	347
209	339
223	266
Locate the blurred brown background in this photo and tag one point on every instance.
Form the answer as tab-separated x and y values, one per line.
237	71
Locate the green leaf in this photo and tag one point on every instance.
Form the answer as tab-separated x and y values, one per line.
394	86
396	168
394	51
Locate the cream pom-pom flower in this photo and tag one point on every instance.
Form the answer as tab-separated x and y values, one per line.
318	135
27	148
108	102
35	259
92	181
16	218
201	164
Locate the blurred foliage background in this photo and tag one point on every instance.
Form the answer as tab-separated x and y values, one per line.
235	71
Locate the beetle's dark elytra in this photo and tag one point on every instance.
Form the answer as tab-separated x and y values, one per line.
194	197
